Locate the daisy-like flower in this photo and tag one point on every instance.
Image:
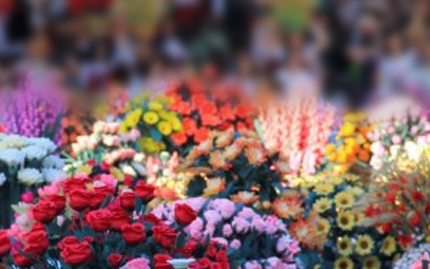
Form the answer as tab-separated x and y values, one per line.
213	187
346	220
388	246
322	227
287	207
343	263
351	178
344	246
245	197
12	157
336	180
255	155
364	245
371	262
322	205
344	200
324	188
217	160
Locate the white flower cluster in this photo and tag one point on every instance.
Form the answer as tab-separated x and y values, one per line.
412	256
31	160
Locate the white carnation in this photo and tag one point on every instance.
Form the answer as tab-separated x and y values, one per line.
44	143
34	152
12	157
30	176
13	142
51	174
2	179
53	161
127	169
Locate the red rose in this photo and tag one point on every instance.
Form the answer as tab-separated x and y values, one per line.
134	233
97	198
44	211
127	199
99	220
21	260
119	218
145	191
74	184
36	242
4	243
71	240
179	138
189	248
211	251
190	126
79	199
76	253
151	218
215	265
160	261
221	256
184	214
164	235
204	262
59	201
201	135
114	259
128	180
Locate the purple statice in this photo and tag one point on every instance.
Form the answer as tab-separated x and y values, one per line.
32	108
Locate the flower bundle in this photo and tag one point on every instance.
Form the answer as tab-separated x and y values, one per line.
299	130
397	123
235	165
351	143
33	109
25	163
332	226
254	241
106	145
414	258
155	121
206	109
90	222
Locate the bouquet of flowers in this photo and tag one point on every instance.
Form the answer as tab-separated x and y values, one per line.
34	109
332	226
25	163
89	222
235	165
398	124
155	121
106	145
351	143
299	130
205	109
254	241
415	258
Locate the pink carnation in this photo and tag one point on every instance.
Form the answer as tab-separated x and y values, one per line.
246	213
235	244
139	263
253	265
240	225
227	230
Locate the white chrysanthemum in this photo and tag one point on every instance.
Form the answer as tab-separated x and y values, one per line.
12	157
2	179
30	176
53	161
34	152
127	169
51	174
411	256
13	142
44	143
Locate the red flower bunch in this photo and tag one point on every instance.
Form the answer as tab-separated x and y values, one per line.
205	109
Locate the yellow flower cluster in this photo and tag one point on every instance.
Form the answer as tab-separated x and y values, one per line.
352	143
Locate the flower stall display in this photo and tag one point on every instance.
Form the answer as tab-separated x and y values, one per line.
106	145
24	164
299	130
235	165
351	144
331	231
398	123
33	109
415	258
88	222
254	241
157	124
204	109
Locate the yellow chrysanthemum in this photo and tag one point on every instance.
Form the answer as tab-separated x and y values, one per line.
133	118
165	128
85	169
344	246
176	123
355	191
344	200
371	262
346	220
336	180
151	117
322	205
364	245
330	148
388	246
351	178
347	129
324	188
150	145
343	263
155	106
322	227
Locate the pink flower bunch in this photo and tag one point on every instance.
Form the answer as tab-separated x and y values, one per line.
299	129
33	108
233	225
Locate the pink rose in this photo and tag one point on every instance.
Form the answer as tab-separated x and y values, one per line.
220	241
27	197
258	224
396	139
139	263
240	225
275	263
49	189
227	230
235	244
246	213
414	129
225	207
212	216
210	229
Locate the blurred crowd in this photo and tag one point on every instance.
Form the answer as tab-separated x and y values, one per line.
351	52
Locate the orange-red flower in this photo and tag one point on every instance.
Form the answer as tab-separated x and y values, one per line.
208	108
179	138
201	135
198	100
227	113
190	126
244	110
210	120
184	108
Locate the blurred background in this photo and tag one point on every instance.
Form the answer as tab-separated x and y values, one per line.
349	52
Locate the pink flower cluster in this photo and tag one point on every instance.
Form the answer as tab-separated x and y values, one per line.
229	224
299	129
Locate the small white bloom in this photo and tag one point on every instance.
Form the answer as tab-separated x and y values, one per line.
139	158
53	161
2	179
127	169
34	152
51	174
30	176
44	143
141	169
13	142
12	157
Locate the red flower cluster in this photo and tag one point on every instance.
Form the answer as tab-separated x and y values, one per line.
216	258
205	109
